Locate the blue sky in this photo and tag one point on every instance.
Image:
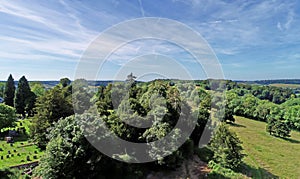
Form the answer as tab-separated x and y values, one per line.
45	40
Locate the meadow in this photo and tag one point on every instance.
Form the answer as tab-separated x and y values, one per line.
268	156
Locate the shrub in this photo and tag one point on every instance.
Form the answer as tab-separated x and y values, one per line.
15	150
7	156
1	157
220	172
34	157
28	158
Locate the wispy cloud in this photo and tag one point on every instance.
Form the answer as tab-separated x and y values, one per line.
243	33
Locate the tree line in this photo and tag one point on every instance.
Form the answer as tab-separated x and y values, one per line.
68	152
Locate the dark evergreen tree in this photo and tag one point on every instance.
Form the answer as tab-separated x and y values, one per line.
9	93
65	82
227	148
22	95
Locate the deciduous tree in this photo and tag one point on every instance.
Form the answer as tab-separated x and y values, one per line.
7	116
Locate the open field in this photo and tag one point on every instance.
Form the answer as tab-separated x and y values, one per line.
268	156
285	85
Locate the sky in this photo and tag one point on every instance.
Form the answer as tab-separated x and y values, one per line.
250	39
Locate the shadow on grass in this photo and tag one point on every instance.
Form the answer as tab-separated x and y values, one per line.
237	125
252	172
21	138
291	140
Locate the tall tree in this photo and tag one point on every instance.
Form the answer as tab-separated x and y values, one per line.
22	95
9	93
65	82
226	147
55	104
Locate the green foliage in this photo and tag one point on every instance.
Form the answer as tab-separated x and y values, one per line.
226	147
67	153
7	173
25	98
292	102
9	93
218	171
81	96
64	82
202	115
70	155
2	88
37	88
55	104
292	114
7	116
278	127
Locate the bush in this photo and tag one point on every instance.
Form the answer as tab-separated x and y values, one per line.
1	157
28	158
34	157
220	172
7	156
1	149
278	127
15	150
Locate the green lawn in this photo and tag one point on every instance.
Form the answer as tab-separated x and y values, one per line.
268	156
20	150
18	153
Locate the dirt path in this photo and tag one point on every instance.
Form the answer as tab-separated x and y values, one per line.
193	168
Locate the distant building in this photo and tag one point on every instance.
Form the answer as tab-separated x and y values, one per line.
1	100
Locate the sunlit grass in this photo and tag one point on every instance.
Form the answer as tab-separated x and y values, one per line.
18	152
280	157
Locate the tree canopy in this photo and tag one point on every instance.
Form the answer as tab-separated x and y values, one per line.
7	116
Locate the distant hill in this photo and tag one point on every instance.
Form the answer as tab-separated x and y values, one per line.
268	82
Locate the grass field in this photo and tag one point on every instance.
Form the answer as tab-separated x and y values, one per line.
285	85
21	151
268	156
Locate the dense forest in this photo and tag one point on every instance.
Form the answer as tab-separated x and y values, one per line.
58	118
